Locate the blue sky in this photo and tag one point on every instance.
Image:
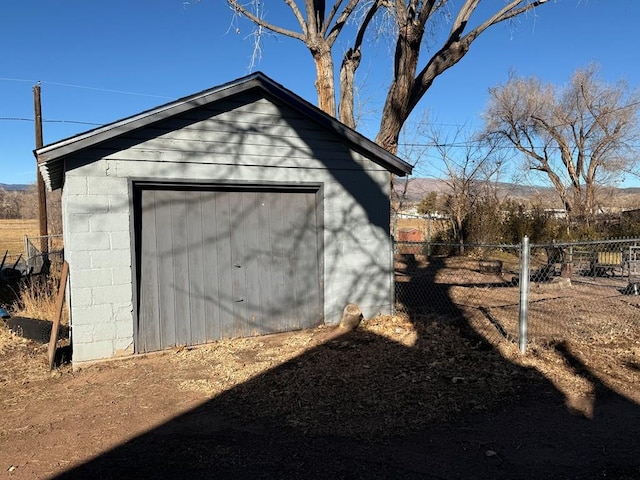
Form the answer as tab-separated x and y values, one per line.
102	61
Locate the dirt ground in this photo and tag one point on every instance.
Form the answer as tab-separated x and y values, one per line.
428	397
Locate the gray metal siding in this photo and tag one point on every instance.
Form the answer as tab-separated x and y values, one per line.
219	263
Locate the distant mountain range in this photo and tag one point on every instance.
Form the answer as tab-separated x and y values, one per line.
418	188
12	187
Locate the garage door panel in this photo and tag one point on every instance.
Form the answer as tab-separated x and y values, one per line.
277	292
164	259
307	269
238	264
309	280
273	293
180	254
290	252
227	264
253	250
196	278
149	329
210	286
265	263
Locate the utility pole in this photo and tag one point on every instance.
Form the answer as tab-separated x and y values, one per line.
42	193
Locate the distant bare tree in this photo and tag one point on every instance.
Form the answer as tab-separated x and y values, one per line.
23	204
450	31
54	212
29	202
469	167
580	137
9	204
412	149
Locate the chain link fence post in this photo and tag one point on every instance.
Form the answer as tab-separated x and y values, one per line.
525	252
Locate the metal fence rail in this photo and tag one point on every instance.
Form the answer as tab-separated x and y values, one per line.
568	287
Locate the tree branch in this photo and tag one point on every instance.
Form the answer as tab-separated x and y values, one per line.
269	26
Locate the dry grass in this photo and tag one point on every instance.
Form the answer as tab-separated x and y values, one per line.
37	299
392	374
7	338
12	233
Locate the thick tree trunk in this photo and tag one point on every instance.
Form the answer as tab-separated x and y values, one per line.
578	203
389	132
396	108
408	89
350	64
325	84
590	196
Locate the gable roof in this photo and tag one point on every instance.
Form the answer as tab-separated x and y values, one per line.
51	157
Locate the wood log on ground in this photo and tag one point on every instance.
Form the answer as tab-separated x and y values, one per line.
351	317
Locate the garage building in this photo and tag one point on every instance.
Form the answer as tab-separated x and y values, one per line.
237	211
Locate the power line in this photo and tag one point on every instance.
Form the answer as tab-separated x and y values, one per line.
17	80
401	144
24	119
475	143
72	121
109	90
69	85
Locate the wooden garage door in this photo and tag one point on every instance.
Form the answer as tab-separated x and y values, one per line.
222	263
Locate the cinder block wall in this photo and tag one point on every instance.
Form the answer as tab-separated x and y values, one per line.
98	249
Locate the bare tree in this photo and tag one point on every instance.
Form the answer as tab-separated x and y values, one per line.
470	167
580	137
406	22
414	151
29	202
9	204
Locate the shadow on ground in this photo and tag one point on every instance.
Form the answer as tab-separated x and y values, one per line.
363	406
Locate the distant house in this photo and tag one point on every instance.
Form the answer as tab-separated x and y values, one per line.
409	212
410	235
557	213
240	210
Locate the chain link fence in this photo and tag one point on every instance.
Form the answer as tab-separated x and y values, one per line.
572	290
583	291
43	255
